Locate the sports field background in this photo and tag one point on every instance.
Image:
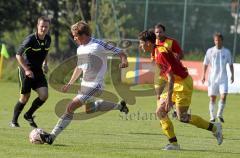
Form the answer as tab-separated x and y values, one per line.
110	135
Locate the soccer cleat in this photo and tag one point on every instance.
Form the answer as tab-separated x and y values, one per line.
14	124
47	138
172	147
30	120
218	133
221	119
212	120
123	107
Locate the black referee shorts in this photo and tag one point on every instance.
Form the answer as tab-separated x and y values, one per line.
26	83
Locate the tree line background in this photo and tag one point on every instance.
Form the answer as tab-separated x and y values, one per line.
118	20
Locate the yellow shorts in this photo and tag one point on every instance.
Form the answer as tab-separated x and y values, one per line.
182	92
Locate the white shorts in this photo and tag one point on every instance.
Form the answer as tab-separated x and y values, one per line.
217	88
86	94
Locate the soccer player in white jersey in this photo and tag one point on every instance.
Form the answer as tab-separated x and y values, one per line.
92	63
217	57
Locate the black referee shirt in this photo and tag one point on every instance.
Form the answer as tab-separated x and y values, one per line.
34	50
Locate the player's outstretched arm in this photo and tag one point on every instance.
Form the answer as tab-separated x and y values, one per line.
76	73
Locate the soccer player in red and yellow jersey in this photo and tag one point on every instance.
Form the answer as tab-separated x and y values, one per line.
163	40
179	87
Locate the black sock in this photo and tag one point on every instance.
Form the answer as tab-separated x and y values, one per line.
17	110
35	105
172	140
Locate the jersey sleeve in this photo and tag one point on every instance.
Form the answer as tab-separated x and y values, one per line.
24	46
176	47
107	47
206	60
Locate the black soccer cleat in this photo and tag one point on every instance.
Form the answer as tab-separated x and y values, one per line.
14	124
212	120
47	138
124	107
221	119
30	120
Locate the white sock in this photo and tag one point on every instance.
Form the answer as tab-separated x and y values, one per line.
102	105
63	122
212	110
221	106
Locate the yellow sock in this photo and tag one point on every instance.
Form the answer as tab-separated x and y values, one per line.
201	123
168	128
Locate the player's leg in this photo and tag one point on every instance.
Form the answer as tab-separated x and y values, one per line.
221	106
102	105
92	105
63	122
67	117
167	126
213	89
212	104
36	104
18	109
85	94
222	101
199	122
183	101
25	92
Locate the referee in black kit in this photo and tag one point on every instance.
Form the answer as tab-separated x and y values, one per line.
31	57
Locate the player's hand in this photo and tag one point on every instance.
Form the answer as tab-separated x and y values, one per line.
45	68
66	87
232	79
29	74
203	80
123	64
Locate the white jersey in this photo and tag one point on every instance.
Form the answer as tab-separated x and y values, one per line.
92	59
218	59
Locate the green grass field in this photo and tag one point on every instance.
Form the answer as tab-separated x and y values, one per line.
115	136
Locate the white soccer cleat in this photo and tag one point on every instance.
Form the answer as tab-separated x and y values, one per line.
218	133
172	147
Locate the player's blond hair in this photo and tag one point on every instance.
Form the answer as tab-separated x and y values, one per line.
81	28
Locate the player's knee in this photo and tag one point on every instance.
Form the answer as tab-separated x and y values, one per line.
160	114
93	106
24	99
72	106
43	97
183	117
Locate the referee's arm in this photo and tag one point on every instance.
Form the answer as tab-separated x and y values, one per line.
22	63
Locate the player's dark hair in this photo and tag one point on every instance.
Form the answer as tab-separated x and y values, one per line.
43	18
219	35
147	35
159	25
81	28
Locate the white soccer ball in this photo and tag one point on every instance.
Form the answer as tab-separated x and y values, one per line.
34	136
